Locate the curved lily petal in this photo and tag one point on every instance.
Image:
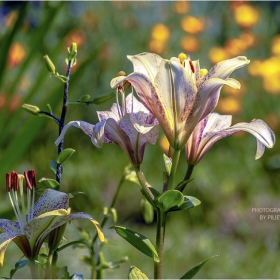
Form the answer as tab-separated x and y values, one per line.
5	240
146	63
10	226
215	127
224	68
86	127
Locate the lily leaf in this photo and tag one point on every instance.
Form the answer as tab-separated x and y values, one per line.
18	266
61	78
139	241
192	272
47	183
170	199
189	202
147	210
64	155
53	166
101	99
180	187
136	273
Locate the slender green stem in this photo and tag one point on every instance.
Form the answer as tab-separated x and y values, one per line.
33	268
104	221
144	185
189	172
175	160
161	222
48	272
62	118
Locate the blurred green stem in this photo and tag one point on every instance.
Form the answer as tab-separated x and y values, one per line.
94	272
175	160
62	118
49	265
189	172
161	222
33	269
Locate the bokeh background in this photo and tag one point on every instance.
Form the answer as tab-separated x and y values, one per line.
228	181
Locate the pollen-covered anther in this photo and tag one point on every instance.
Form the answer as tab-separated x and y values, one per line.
121	73
182	57
203	72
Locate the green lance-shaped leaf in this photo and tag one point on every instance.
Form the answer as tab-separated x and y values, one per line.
84	98
31	108
192	272
18	266
147	210
181	186
167	163
170	199
139	241
136	273
189	202
64	155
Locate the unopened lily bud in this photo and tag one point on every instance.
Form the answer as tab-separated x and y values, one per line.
121	73
182	57
203	72
55	237
73	49
147	210
49	64
72	54
31	108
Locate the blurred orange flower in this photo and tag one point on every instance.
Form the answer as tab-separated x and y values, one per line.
159	36
16	55
164	144
160	32
10	19
235	46
76	35
236	92
2	100
181	7
189	44
15	102
246	15
248	39
192	24
254	68
217	54
229	105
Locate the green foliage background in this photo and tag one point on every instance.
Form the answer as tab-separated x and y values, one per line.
228	181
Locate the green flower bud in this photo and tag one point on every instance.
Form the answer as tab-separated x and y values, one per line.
49	64
31	109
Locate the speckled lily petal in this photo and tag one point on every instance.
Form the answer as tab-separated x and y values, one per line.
86	127
5	240
9	226
224	68
146	63
218	127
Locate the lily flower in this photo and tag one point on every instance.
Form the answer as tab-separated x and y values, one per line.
177	92
215	127
130	127
35	220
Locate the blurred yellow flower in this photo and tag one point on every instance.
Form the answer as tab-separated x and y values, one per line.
270	67
10	19
229	105
254	68
189	44
160	32
217	54
156	46
181	7
246	15
272	83
16	55
275	45
159	36
192	24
